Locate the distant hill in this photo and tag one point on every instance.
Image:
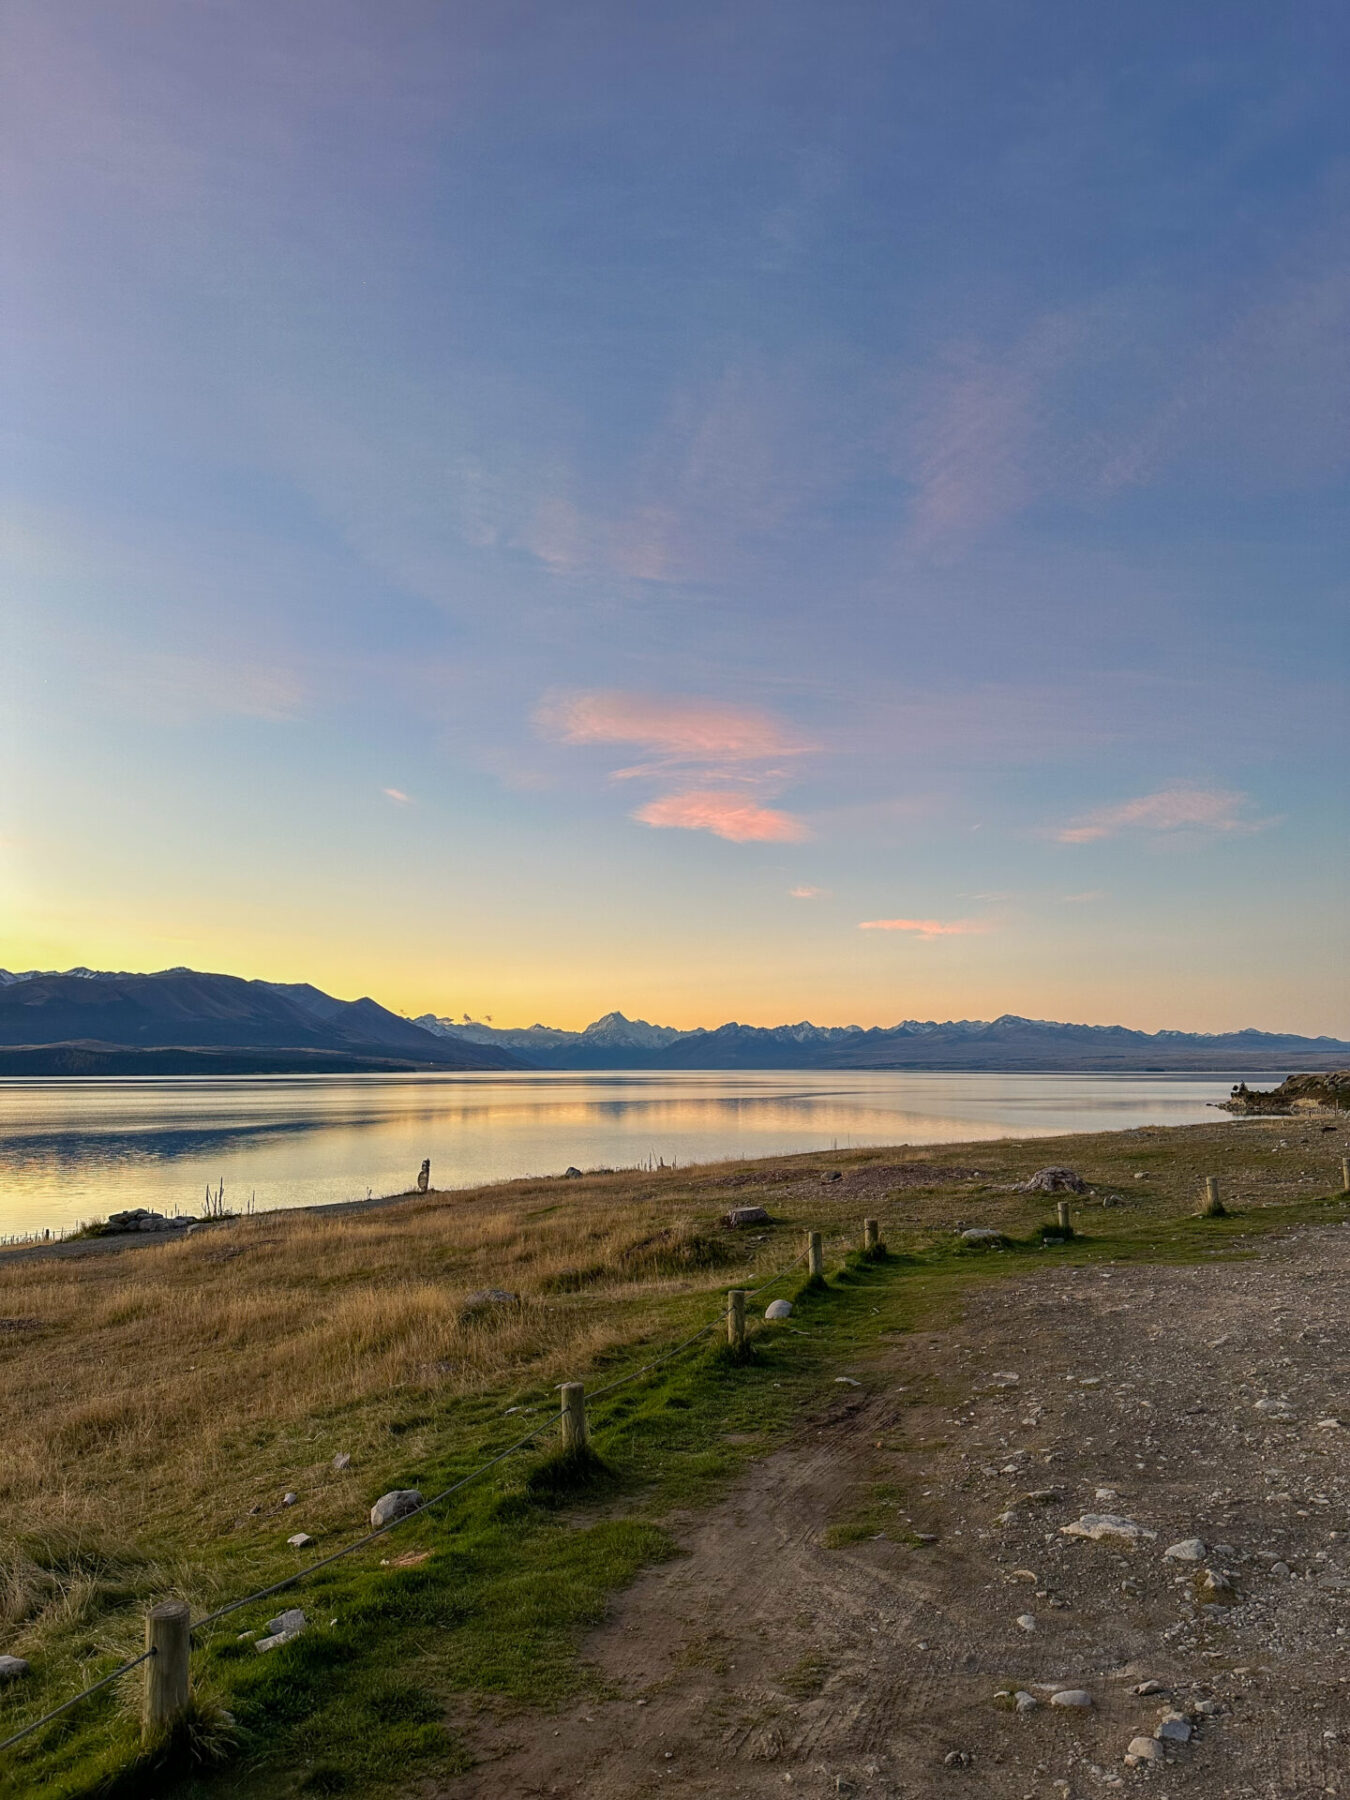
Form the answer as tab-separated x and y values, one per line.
1009	1043
180	1020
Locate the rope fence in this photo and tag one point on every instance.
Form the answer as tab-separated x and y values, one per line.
572	1419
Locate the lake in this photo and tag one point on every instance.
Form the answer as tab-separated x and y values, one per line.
74	1150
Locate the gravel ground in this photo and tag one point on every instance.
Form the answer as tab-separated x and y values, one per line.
846	1622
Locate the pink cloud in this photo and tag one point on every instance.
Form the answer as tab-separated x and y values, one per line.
397	795
927	928
725	815
675	729
1170	809
805	893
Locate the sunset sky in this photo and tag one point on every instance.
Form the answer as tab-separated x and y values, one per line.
825	510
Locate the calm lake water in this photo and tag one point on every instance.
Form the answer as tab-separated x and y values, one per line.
73	1150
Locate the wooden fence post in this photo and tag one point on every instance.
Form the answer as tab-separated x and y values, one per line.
736	1318
575	1435
1345	1174
815	1256
1063	1213
1213	1207
167	1633
871	1235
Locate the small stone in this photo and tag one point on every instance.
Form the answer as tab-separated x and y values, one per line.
572	1174
1188	1550
1146	1688
846	1381
342	1461
958	1759
1143	1749
1078	1697
1174	1728
395	1505
1004	1378
288	1623
12	1668
301	1541
1024	1701
982	1234
1276	1409
1026	1622
289	1499
1282	1569
1108	1528
1214	1587
746	1215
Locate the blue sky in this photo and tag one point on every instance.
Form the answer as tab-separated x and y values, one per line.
524	509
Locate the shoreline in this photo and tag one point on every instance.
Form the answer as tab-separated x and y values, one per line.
76	1247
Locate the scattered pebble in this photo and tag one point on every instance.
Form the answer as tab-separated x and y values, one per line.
1188	1550
289	1499
1026	1621
342	1461
1174	1728
1144	1749
301	1541
1108	1528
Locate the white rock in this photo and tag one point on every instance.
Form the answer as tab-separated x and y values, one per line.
301	1541
394	1505
1026	1622
12	1667
1004	1378
1071	1697
846	1381
270	1643
288	1623
981	1234
342	1460
1108	1528
1328	1424
289	1499
1144	1749
1188	1550
1024	1701
778	1309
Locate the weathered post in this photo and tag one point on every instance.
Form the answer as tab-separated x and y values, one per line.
1213	1207
575	1435
815	1256
736	1319
1345	1174
871	1236
168	1636
1062	1209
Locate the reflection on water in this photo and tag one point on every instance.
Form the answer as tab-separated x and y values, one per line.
80	1149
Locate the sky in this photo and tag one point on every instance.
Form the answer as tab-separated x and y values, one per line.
828	509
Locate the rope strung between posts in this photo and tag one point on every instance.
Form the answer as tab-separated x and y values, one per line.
369	1537
75	1699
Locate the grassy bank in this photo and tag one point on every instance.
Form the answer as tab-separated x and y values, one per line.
159	1405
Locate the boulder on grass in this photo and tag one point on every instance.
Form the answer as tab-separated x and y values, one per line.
746	1215
778	1309
1053	1181
394	1505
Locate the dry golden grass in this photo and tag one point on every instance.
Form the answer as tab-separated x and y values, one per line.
155	1400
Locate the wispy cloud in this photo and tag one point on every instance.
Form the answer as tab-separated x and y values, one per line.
398	796
735	754
929	928
806	893
1169	810
1083	899
676	729
726	815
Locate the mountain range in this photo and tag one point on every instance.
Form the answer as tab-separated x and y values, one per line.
1008	1042
181	1021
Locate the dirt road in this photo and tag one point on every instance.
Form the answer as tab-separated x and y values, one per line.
811	1641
